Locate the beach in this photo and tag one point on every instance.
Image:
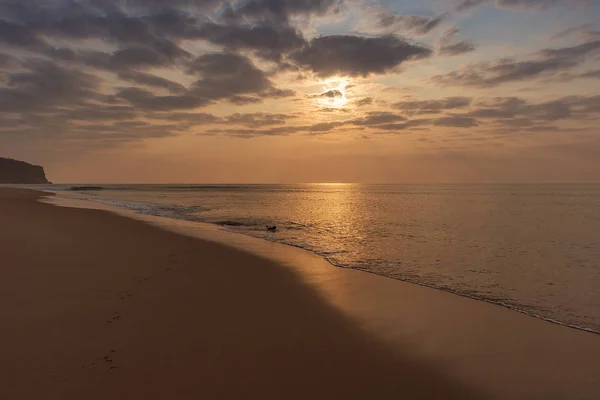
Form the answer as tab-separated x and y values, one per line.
96	305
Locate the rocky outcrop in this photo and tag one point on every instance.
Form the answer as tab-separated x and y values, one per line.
14	171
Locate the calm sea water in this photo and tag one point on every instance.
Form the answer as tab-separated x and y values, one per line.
534	248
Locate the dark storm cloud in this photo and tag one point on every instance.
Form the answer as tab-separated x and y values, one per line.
432	106
449	46
547	62
352	55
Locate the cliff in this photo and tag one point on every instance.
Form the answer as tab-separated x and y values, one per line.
14	171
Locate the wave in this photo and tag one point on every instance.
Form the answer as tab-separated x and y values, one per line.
157	210
85	188
200	187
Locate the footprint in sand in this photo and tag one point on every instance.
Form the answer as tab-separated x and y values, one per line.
108	360
115	317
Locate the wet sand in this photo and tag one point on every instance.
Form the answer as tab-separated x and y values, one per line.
102	306
94	305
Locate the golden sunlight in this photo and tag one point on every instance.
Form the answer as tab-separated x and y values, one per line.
334	92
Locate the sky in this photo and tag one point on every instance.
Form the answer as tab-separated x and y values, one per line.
286	91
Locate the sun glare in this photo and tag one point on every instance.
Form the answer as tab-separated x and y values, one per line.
336	90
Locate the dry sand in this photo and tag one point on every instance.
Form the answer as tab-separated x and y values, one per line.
98	306
101	306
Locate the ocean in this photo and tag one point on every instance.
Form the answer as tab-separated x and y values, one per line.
532	248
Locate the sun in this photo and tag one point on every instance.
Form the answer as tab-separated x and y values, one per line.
334	92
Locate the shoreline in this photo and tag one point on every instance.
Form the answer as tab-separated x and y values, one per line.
130	213
455	345
100	306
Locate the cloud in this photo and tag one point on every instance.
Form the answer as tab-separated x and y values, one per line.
19	36
465	5
44	86
314	129
280	10
500	115
377	118
152	81
367	101
584	32
448	46
519	109
595	74
227	74
97	112
147	100
456	121
545	63
413	123
192	118
330	94
351	55
383	20
138	57
432	106
231	76
269	41
8	62
258	120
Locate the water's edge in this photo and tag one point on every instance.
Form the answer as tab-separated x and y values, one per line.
131	213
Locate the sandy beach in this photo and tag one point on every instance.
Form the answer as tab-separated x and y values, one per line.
95	305
99	306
